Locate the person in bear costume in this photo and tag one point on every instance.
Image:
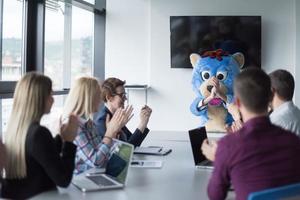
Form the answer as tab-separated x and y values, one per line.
212	81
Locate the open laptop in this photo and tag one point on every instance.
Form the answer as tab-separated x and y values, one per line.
197	136
116	172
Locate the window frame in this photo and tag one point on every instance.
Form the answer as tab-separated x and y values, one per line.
33	38
6	87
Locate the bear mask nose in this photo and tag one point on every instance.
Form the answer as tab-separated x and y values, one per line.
209	88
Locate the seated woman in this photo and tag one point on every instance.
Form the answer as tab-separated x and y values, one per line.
114	96
83	100
35	161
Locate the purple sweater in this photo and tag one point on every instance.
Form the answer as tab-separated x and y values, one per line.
258	156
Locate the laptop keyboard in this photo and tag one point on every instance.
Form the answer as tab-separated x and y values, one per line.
101	180
206	163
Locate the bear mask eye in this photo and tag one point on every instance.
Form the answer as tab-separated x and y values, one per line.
221	76
205	75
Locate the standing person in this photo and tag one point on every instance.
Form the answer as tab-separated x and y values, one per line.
36	162
285	113
114	97
83	100
259	155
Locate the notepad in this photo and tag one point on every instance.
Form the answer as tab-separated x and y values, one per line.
146	163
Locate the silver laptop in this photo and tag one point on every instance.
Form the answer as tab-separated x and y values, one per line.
197	136
115	175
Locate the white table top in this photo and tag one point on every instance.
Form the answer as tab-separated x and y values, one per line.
177	179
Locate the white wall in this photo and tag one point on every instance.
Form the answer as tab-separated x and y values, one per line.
127	46
138	42
127	40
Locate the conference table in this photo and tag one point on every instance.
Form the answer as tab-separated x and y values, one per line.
177	179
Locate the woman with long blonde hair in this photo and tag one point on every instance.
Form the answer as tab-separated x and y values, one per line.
84	100
35	161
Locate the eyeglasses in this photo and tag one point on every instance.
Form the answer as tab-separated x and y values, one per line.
122	95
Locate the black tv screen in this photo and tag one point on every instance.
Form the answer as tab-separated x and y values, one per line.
197	34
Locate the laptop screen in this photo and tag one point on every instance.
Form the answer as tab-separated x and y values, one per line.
197	136
118	164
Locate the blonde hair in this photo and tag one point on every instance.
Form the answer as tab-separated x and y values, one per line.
80	100
29	105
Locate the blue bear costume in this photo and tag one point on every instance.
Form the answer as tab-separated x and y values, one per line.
214	67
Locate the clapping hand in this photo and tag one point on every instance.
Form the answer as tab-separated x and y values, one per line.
235	126
119	120
145	114
209	149
68	130
216	90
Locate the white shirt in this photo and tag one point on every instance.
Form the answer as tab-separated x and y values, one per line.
287	116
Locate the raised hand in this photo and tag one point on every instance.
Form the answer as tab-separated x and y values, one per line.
213	92
217	89
236	125
209	149
128	114
145	114
216	86
119	119
68	130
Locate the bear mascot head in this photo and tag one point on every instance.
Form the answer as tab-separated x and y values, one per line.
212	81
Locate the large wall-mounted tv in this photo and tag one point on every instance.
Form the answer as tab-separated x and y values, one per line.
196	34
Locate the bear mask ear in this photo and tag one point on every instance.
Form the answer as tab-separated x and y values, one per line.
239	58
194	58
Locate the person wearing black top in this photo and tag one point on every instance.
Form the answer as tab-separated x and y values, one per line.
36	162
114	96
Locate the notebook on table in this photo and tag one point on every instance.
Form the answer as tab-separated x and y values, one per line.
197	136
116	172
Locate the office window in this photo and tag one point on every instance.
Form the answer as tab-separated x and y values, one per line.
69	38
54	44
6	108
51	120
82	43
68	44
11	53
12	40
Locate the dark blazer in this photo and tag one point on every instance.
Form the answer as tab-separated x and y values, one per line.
49	163
135	138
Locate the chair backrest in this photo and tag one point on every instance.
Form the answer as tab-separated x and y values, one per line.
277	193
